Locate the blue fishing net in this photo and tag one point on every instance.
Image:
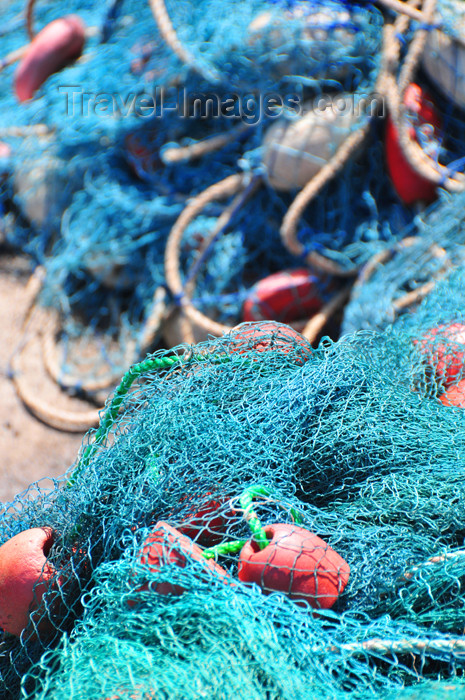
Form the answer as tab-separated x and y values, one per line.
437	249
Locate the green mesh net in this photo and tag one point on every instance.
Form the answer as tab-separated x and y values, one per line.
202	456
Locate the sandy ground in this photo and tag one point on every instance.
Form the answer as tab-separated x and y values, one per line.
29	450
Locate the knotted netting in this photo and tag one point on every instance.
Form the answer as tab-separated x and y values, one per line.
347	442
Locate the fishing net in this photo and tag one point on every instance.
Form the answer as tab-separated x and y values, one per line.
395	281
347	441
95	184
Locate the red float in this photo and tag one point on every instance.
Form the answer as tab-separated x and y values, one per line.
25	576
286	296
296	563
455	395
444	350
53	48
166	545
268	335
409	185
206	523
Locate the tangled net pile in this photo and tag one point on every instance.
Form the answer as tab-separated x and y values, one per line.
206	450
96	194
347	441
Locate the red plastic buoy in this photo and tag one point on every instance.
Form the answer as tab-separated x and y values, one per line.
455	395
166	545
56	45
206	523
444	350
296	563
409	185
24	577
268	336
286	296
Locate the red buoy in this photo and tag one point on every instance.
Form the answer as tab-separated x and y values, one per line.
53	48
409	185
455	395
165	545
286	296
296	563
206	523
268	336
444	350
24	577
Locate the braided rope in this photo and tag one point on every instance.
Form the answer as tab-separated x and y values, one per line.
168	34
55	417
404	8
402	646
300	203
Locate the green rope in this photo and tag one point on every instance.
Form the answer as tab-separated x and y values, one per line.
246	500
258	533
221	550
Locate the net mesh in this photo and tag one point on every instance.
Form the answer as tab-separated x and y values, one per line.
347	441
357	442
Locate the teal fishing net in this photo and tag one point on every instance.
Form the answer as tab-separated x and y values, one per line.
347	441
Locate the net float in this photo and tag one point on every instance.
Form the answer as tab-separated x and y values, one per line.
52	48
269	335
443	349
205	523
455	395
443	57
167	546
296	563
285	296
25	576
424	128
296	149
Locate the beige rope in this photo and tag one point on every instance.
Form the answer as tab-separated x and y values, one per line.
404	9
402	646
168	33
38	321
59	418
225	188
53	360
184	154
300	203
415	295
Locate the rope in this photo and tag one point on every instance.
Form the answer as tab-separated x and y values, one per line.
30	18
258	533
228	187
183	154
168	34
